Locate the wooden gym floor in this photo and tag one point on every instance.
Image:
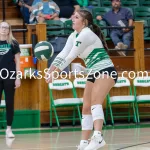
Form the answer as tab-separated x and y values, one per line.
128	138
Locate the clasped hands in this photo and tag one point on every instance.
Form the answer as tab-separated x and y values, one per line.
50	76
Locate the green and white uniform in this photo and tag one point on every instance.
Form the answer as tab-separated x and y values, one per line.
87	46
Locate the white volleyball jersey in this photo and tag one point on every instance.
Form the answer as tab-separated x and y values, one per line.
87	46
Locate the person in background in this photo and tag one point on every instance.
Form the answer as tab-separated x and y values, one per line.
119	16
67	7
10	61
44	10
26	8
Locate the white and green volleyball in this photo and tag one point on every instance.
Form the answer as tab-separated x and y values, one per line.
43	50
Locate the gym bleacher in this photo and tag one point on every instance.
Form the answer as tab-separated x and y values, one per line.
139	8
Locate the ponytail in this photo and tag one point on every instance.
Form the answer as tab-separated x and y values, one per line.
97	30
86	15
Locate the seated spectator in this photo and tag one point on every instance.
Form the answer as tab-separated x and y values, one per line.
44	10
67	7
119	16
26	8
83	3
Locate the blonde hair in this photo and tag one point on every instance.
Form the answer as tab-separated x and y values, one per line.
10	38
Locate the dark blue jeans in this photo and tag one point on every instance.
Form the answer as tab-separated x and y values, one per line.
25	13
120	36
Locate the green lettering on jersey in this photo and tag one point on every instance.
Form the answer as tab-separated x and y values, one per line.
77	43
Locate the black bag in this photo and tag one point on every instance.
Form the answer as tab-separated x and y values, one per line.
58	43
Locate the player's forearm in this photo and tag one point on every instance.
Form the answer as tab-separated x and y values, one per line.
67	61
52	68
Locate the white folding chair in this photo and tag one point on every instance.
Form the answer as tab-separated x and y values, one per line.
59	85
121	99
142	83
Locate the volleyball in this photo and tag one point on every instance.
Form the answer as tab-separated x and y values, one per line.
43	50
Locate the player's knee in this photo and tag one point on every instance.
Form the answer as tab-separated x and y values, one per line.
97	112
96	100
86	109
87	122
